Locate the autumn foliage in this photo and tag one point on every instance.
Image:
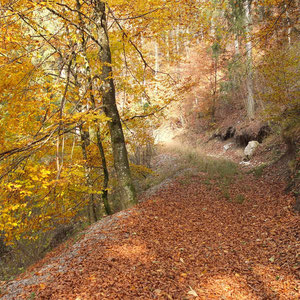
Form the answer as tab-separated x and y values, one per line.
57	158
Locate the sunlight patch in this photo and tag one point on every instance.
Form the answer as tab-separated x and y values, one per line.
278	281
226	287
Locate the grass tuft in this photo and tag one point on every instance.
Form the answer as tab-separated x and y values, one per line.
258	171
239	198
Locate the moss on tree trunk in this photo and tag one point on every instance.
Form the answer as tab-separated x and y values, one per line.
121	163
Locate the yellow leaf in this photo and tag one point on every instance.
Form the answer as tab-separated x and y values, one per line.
42	286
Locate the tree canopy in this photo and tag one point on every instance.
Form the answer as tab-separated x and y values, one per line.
79	78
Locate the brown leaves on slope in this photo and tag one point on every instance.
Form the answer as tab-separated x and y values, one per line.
187	242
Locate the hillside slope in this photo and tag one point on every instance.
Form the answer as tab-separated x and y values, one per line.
197	237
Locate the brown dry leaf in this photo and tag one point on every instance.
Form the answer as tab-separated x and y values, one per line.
227	248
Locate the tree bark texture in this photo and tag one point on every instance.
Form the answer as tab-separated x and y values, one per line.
93	103
249	81
121	163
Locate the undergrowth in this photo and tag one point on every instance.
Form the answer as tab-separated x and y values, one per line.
217	170
17	259
187	163
259	170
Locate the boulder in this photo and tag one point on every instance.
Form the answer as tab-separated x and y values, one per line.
250	149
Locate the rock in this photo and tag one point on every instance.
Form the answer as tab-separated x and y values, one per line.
227	146
250	149
245	163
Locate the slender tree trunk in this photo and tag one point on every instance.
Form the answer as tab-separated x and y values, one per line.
236	45
249	81
121	163
177	39
170	46
98	131
289	25
215	55
105	173
167	38
85	141
156	65
186	44
215	86
177	43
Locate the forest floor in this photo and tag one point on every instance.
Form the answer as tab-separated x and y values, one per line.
209	230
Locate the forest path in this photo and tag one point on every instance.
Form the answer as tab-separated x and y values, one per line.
199	236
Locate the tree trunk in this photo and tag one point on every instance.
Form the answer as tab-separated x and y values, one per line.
167	41
236	45
156	65
105	173
121	163
249	81
98	131
289	29
85	141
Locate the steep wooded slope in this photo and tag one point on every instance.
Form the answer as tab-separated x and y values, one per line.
188	241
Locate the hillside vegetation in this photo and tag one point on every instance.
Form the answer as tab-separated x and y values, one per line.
190	107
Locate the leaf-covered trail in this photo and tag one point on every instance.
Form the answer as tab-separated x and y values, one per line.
186	242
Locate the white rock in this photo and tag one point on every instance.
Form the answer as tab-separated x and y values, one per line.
245	163
251	148
227	146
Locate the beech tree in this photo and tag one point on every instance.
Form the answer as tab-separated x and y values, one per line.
60	105
82	73
121	162
249	81
82	83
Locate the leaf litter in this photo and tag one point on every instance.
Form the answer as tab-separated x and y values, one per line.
187	241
